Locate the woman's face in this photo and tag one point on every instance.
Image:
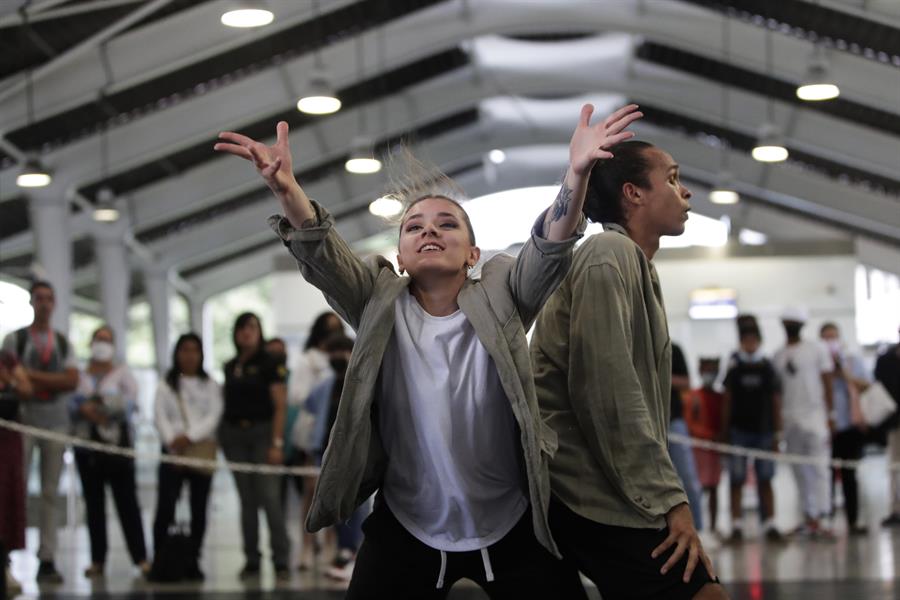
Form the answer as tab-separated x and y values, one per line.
434	240
188	357
248	335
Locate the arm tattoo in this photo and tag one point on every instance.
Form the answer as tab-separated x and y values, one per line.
561	205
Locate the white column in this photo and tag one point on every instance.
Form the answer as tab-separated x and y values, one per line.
202	325
115	278
159	288
49	219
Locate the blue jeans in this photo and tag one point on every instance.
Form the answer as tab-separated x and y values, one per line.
683	458
349	533
737	465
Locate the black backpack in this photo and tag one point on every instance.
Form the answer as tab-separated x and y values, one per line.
175	556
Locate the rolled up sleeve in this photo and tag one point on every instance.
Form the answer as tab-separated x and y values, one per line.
327	262
541	266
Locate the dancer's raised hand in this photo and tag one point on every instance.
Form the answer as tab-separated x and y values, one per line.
591	143
274	164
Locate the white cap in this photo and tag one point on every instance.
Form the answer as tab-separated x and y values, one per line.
797	314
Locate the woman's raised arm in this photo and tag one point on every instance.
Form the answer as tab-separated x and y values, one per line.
274	164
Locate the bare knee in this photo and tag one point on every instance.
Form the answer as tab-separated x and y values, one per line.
711	591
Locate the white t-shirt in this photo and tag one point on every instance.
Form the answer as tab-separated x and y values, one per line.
454	478
800	367
202	403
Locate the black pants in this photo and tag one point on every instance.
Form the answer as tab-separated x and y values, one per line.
97	471
848	444
617	559
171	479
391	563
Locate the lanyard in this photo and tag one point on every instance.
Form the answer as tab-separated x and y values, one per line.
47	352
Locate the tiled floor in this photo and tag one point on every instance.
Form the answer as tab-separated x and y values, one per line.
849	568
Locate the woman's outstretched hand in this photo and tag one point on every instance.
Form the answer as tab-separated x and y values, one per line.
591	143
274	164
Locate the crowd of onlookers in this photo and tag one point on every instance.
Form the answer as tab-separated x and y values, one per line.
807	399
263	414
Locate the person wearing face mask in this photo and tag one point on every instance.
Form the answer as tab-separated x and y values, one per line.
704	420
101	411
751	417
805	370
323	402
848	379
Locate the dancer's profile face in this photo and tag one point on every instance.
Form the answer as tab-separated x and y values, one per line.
667	198
434	239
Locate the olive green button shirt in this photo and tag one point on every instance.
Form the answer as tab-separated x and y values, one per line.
603	369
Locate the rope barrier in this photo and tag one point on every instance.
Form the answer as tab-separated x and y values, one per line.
796	459
70	440
183	461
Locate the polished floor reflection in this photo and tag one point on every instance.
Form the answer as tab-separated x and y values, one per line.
847	568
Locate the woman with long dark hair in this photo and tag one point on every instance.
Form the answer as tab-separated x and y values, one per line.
187	411
102	407
438	412
252	430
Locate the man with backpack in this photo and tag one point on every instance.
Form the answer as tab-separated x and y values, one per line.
50	364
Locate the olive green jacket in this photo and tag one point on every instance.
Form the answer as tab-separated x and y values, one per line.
603	371
501	306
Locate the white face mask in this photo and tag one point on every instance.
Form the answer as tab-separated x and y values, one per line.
834	346
102	351
751	358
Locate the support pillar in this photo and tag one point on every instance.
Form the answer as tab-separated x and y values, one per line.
202	325
115	278
159	288
53	242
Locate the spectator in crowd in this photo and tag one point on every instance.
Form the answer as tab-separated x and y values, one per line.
310	370
252	431
751	416
887	371
682	455
848	439
323	402
15	387
804	369
187	411
277	349
101	411
48	359
704	419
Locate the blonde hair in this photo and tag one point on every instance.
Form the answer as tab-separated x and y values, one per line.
411	180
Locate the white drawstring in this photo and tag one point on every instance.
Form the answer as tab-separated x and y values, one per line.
486	559
440	581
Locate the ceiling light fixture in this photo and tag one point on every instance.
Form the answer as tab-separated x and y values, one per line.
246	14
497	156
769	147
362	160
105	210
817	83
723	192
320	98
33	175
386	207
